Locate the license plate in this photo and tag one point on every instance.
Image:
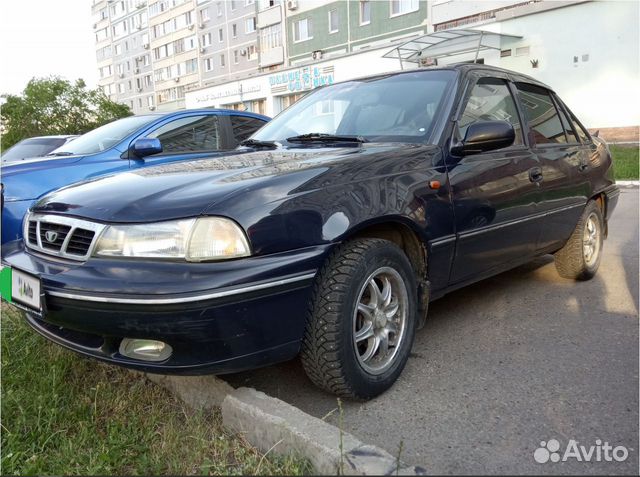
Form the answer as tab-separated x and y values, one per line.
21	288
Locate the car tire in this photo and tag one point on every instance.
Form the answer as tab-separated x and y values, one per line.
579	259
362	319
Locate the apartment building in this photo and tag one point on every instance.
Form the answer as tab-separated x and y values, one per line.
149	53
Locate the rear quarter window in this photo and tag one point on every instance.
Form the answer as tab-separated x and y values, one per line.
541	114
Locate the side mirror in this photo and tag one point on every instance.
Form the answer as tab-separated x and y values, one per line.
483	136
146	146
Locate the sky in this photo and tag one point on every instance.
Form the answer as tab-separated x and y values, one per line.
45	37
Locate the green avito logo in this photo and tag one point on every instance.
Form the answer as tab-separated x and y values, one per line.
5	284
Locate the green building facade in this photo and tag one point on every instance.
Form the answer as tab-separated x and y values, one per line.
345	26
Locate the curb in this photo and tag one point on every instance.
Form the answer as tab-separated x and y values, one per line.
272	425
628	183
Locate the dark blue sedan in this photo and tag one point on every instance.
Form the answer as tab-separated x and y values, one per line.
326	236
119	146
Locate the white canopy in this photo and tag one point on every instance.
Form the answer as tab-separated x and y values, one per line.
447	43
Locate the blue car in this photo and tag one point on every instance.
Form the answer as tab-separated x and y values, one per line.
125	144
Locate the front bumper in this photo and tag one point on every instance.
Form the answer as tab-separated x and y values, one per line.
217	317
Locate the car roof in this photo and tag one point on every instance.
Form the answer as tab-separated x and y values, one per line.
209	110
53	136
463	68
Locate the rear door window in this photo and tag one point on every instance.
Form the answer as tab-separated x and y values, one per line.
541	114
490	100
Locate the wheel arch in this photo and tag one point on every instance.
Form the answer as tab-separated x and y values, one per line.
407	236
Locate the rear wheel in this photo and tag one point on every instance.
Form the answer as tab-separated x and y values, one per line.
361	324
580	258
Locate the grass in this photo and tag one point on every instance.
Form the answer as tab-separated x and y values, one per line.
626	161
66	415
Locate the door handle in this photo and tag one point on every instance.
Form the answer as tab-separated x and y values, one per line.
535	174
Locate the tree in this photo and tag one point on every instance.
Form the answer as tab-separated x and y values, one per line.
53	105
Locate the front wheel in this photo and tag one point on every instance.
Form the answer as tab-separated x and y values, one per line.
362	319
580	258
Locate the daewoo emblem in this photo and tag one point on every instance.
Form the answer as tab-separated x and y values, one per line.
50	236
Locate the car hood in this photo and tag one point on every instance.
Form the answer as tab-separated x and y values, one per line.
18	180
220	184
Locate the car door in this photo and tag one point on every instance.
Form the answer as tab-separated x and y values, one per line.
560	153
494	193
187	137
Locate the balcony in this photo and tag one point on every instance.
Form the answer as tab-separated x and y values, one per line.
270	16
274	56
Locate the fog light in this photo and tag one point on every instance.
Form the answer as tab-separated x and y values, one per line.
146	350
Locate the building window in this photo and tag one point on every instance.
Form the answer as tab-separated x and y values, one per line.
208	64
235	57
249	2
233	4
220	35
270	37
302	30
333	20
117	50
206	39
234	30
365	12
250	26
219	5
251	53
150	101
221	60
204	15
400	7
121	88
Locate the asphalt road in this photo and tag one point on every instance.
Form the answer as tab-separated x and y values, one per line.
502	365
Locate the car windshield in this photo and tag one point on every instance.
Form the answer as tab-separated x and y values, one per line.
104	137
398	108
34	147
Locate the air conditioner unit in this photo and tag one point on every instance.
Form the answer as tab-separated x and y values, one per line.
95	25
202	49
201	26
139	26
139	58
121	75
292	4
243	52
136	70
145	46
139	90
177	80
317	55
191	26
152	108
141	4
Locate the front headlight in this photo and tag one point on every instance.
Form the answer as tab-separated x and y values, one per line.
194	240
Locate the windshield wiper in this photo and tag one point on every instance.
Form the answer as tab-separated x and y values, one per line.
321	137
257	143
61	153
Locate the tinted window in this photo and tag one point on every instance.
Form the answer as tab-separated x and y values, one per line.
243	127
571	136
190	134
541	114
35	147
582	134
490	100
